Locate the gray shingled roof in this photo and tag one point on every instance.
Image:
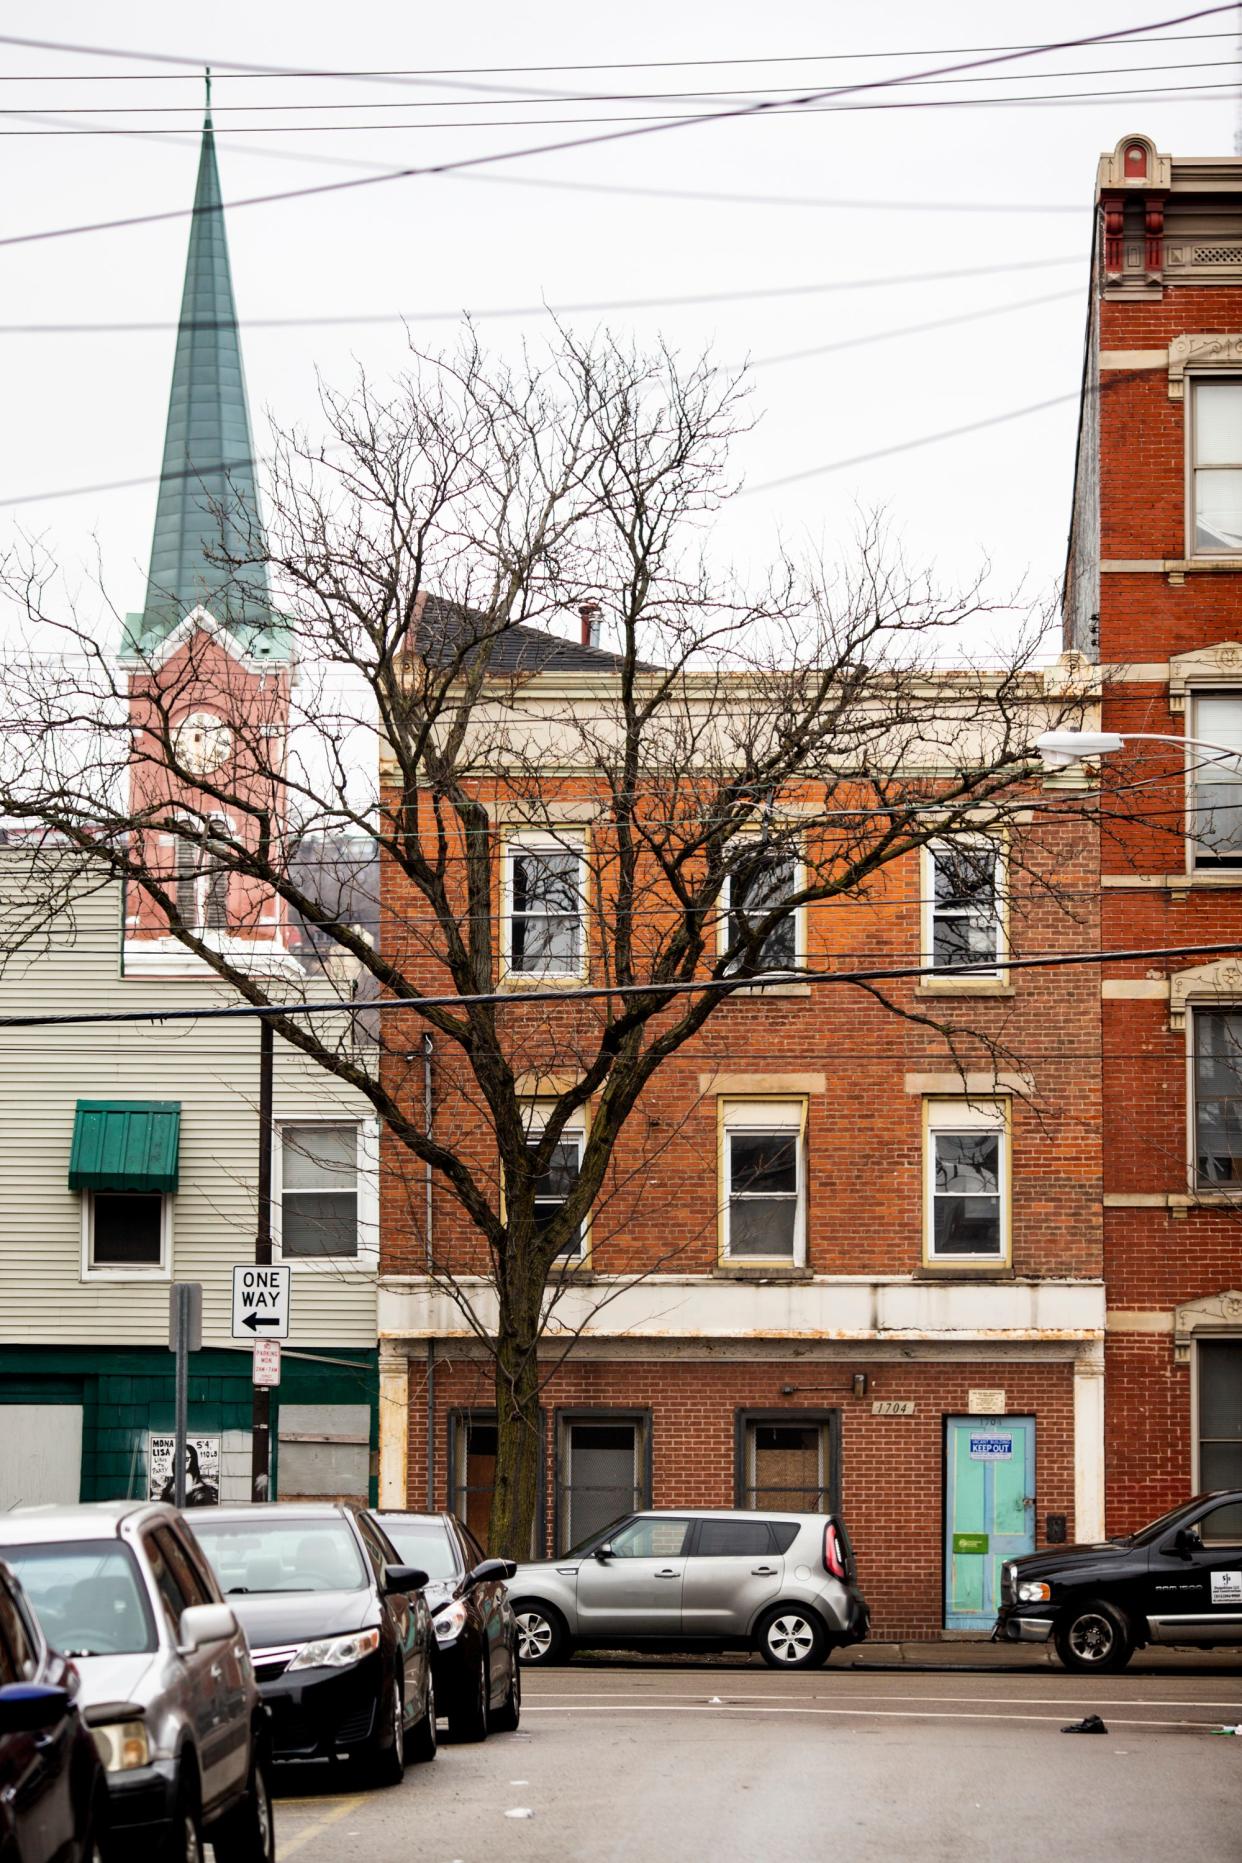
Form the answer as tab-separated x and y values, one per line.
448	628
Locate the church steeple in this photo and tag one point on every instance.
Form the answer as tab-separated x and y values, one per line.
208	499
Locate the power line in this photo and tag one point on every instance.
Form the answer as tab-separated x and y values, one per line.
524	998
607	136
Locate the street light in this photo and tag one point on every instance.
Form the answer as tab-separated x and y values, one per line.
1058	749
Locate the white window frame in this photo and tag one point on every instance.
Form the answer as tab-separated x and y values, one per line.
542	841
575	1131
1196	379
366	1261
1199	770
1195	1007
725	936
127	1271
943	978
962	1116
775	1113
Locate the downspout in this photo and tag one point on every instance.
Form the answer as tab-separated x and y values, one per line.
428	1253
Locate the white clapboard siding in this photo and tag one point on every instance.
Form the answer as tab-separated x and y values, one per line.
212	1069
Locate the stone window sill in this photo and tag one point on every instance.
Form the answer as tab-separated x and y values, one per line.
760	1271
963	986
965	1271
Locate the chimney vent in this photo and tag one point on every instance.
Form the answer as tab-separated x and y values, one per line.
589	613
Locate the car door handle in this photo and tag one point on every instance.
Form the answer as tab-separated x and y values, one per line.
217	1672
668	1572
763	1571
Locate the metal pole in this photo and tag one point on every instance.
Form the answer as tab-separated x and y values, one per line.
181	1390
260	1426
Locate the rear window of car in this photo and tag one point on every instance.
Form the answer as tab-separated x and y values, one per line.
427	1544
784	1533
282	1555
88	1596
742	1539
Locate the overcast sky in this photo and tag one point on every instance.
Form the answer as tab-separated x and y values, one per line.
83	408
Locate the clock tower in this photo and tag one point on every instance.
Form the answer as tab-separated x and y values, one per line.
208	663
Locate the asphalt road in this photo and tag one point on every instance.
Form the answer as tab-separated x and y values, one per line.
622	1765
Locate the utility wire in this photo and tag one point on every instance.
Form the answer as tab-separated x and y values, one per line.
523	998
602	138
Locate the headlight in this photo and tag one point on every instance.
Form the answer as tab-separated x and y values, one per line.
451	1621
122	1746
336	1652
1031	1593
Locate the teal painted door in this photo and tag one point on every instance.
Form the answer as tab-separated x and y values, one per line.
989	1512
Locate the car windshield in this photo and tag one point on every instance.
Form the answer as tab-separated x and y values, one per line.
281	1555
597	1538
1165	1524
88	1595
424	1543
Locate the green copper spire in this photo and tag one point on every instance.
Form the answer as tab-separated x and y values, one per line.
208	500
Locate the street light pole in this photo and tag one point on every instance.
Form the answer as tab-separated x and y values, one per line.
1058	749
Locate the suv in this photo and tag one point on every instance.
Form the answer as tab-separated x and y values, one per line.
122	1589
697	1578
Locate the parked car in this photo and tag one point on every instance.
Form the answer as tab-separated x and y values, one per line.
1178	1580
475	1655
122	1589
697	1579
339	1630
53	1794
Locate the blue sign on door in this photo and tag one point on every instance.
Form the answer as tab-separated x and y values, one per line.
989	1506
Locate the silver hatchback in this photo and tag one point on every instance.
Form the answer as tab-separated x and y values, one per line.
697	1578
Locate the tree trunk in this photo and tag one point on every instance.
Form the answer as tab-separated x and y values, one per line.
515	1499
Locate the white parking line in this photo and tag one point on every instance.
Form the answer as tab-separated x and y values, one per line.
880	1714
868	1694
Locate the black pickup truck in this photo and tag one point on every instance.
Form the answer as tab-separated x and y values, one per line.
1178	1580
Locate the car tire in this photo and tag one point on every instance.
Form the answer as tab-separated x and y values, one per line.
792	1637
542	1633
387	1757
247	1834
1094	1638
469	1710
509	1713
421	1741
184	1841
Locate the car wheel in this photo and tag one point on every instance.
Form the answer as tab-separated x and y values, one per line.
248	1833
387	1762
509	1713
792	1637
1094	1637
467	1715
542	1636
421	1744
184	1842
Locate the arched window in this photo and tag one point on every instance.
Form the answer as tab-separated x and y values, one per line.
202	879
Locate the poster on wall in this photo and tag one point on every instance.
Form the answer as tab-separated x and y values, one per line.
202	1469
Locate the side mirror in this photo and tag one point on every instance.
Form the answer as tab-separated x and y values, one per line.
490	1572
403	1578
205	1623
29	1707
604	1553
1187	1541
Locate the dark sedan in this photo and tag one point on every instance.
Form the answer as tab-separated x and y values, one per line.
478	1682
1178	1580
53	1793
339	1631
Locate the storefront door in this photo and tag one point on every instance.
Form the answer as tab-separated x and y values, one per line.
989	1512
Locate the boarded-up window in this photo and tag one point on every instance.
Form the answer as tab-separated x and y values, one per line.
324	1452
787	1463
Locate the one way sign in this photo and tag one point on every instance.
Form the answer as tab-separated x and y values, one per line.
260	1302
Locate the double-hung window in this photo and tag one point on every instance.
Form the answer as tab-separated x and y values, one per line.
1218	1098
545	901
1216	467
967	1188
962	880
1216	781
555	1182
325	1185
763	1168
759	884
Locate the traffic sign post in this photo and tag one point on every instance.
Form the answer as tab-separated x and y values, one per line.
185	1335
260	1301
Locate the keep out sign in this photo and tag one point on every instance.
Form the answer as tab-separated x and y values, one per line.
991	1448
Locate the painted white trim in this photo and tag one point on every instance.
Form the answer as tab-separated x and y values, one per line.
967	1115
394	1431
770	1113
548	840
535	1119
128	1271
143	958
723	934
817	1312
366	1164
927	894
1089	1399
185	630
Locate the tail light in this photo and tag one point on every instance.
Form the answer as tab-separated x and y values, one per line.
834	1553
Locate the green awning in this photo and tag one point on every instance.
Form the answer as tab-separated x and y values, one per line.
125	1145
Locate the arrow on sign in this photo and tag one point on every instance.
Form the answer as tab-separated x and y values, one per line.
255	1320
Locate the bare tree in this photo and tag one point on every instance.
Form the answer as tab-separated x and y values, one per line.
581	850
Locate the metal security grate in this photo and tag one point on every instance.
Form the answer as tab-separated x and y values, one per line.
602	1476
1217	255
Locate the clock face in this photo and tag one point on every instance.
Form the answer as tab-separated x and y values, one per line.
203	741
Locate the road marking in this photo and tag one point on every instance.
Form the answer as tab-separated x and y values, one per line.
873	1714
867	1694
340	1810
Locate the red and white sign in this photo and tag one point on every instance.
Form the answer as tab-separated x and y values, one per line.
267	1362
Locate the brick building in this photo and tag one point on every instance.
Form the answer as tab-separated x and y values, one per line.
1154	592
911	1325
